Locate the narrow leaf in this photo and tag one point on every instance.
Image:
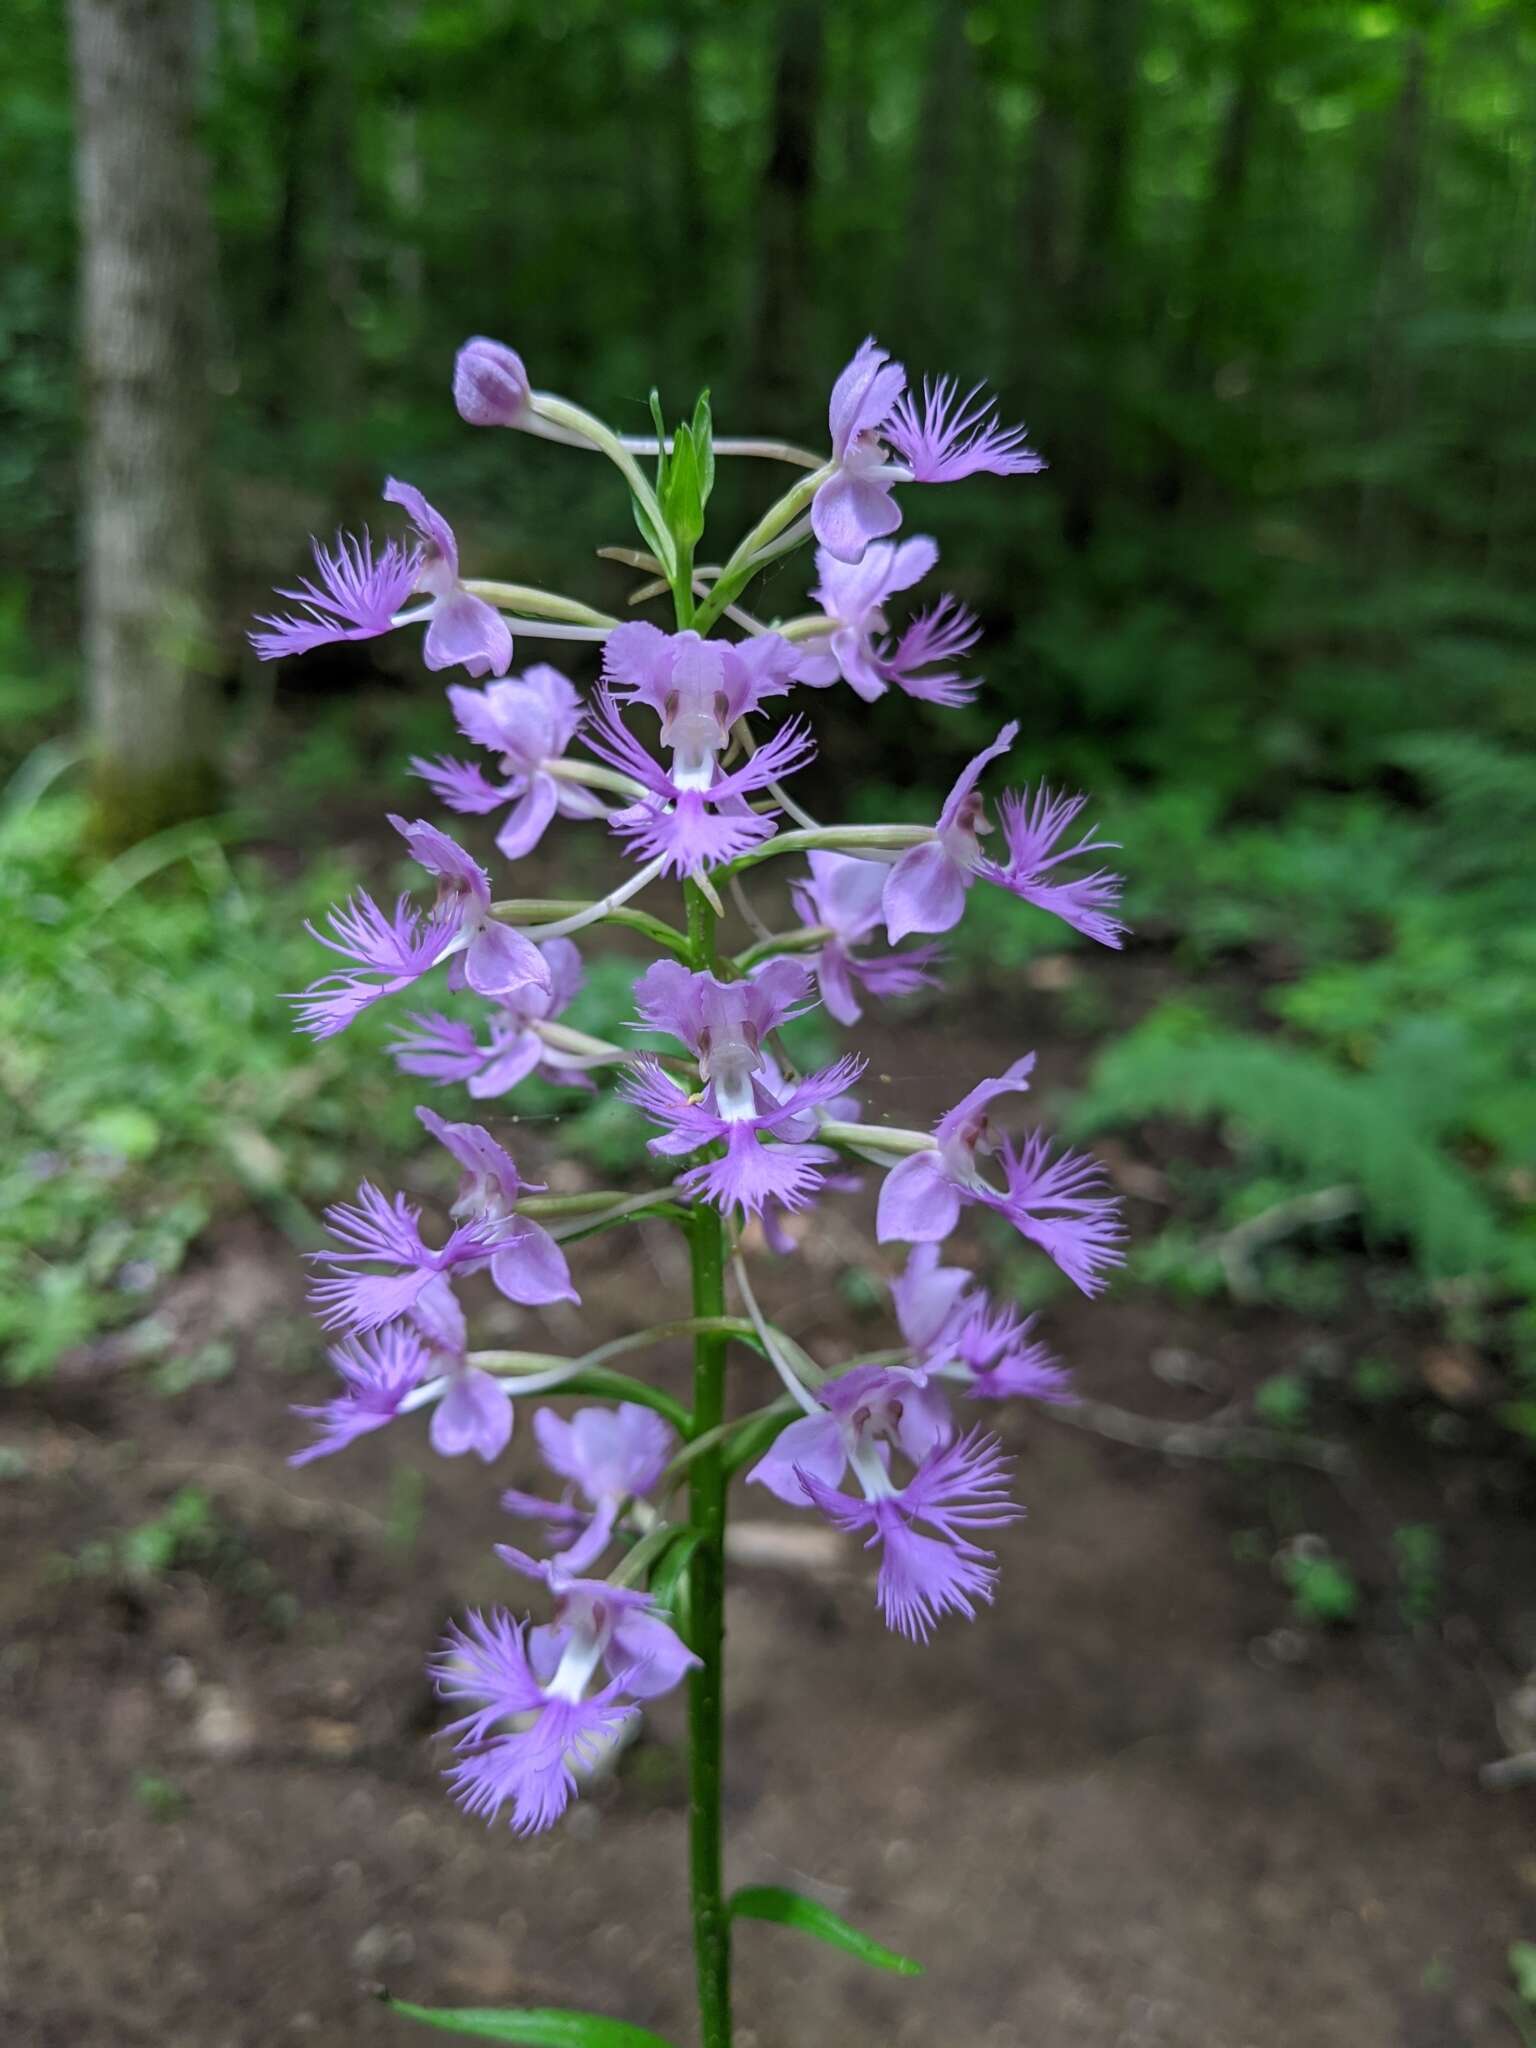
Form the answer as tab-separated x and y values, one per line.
542	2027
670	1574
789	1909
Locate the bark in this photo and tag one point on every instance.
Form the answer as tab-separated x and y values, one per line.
146	274
1222	209
1097	292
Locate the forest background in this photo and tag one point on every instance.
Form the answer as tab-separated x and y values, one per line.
1261	277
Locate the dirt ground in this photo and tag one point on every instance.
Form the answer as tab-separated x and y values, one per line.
1131	1807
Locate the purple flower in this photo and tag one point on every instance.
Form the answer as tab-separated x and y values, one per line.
993	1351
954	437
608	1456
503	1671
490	384
697	688
526	1264
1031	828
846	896
854	506
955	1486
743	1101
948	438
957	1333
442	1049
356	598
858	647
925	889
378	1371
692	828
378	1232
1055	1203
359	596
929	1299
486	956
462	631
528	721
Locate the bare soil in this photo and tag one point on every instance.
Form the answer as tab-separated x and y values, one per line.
1133	1806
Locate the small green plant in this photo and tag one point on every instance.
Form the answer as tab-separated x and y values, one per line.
1323	1590
1420	1557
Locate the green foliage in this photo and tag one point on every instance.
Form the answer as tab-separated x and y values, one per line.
1324	1590
150	1075
541	2028
1330	1125
792	1909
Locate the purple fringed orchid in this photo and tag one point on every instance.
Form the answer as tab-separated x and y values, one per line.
845	896
360	595
930	1300
490	383
995	1355
504	1671
948	438
724	1024
695	825
925	889
356	598
956	1486
1057	1204
443	1049
485	956
697	688
952	437
607	1456
858	648
405	1365
378	1372
528	722
527	1265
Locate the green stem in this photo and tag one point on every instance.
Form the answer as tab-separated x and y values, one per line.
706	1513
749	555
543	910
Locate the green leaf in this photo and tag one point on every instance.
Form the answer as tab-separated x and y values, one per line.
670	1576
704	445
774	1902
659	421
537	2027
1522	1967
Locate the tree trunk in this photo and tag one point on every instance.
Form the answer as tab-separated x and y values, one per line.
146	272
784	294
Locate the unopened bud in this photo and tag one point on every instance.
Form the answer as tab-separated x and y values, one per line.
490	385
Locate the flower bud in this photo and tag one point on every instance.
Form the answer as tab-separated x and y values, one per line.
490	385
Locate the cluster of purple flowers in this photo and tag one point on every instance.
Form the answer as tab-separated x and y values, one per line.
673	754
